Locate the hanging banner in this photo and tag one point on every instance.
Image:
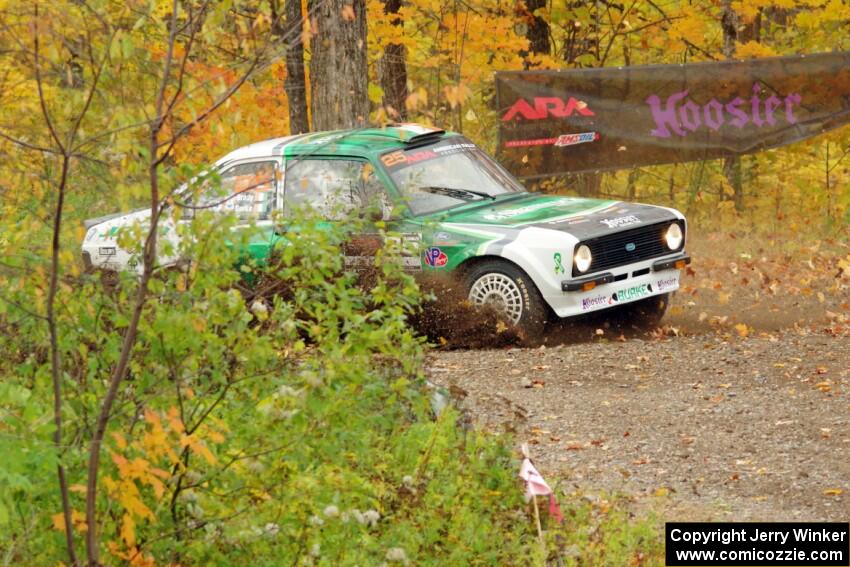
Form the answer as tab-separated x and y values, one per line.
612	118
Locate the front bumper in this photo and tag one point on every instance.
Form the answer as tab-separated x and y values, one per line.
622	285
590	282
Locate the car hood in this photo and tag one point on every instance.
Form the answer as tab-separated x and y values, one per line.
580	217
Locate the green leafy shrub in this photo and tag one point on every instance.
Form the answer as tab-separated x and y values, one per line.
292	426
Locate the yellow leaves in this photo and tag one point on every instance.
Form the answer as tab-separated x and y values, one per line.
78	520
130	499
198	447
844	268
128	530
416	99
456	94
833	492
690	27
747	10
742	329
174	420
754	49
155	440
120	442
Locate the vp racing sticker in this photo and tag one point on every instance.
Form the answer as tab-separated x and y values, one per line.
435	257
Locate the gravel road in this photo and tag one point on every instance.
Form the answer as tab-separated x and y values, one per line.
715	416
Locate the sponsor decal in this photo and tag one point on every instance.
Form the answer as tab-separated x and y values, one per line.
403	158
633	292
592	302
546	106
519	211
446	239
399	157
435	257
667	283
683	116
559	264
454	148
560	141
573	139
617	222
533	142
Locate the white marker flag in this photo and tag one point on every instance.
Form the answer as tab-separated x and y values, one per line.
535	485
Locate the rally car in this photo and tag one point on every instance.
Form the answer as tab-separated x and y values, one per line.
535	257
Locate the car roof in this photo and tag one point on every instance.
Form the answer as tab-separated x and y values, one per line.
363	142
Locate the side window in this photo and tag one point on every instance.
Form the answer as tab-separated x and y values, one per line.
336	188
247	189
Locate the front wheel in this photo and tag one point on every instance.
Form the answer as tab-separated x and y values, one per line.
510	291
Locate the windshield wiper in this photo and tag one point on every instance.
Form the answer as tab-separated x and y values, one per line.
457	193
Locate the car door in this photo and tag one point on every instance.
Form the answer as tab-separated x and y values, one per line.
248	189
340	188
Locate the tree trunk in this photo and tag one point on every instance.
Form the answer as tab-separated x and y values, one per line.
732	165
392	68
338	71
537	32
295	84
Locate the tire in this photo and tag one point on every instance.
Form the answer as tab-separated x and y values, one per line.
509	290
644	314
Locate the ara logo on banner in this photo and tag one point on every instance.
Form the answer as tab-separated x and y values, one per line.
544	107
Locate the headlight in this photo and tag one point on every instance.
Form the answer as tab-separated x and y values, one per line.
673	236
582	258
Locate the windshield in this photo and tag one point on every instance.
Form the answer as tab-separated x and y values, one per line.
447	174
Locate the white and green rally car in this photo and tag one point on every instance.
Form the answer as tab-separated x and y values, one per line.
533	256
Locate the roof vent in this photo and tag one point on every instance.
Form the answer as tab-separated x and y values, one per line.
410	133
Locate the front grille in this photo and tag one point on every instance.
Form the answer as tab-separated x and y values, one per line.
613	250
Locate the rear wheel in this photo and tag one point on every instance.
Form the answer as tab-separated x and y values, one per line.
510	291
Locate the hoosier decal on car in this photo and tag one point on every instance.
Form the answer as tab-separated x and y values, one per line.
620	221
435	257
598	301
632	292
